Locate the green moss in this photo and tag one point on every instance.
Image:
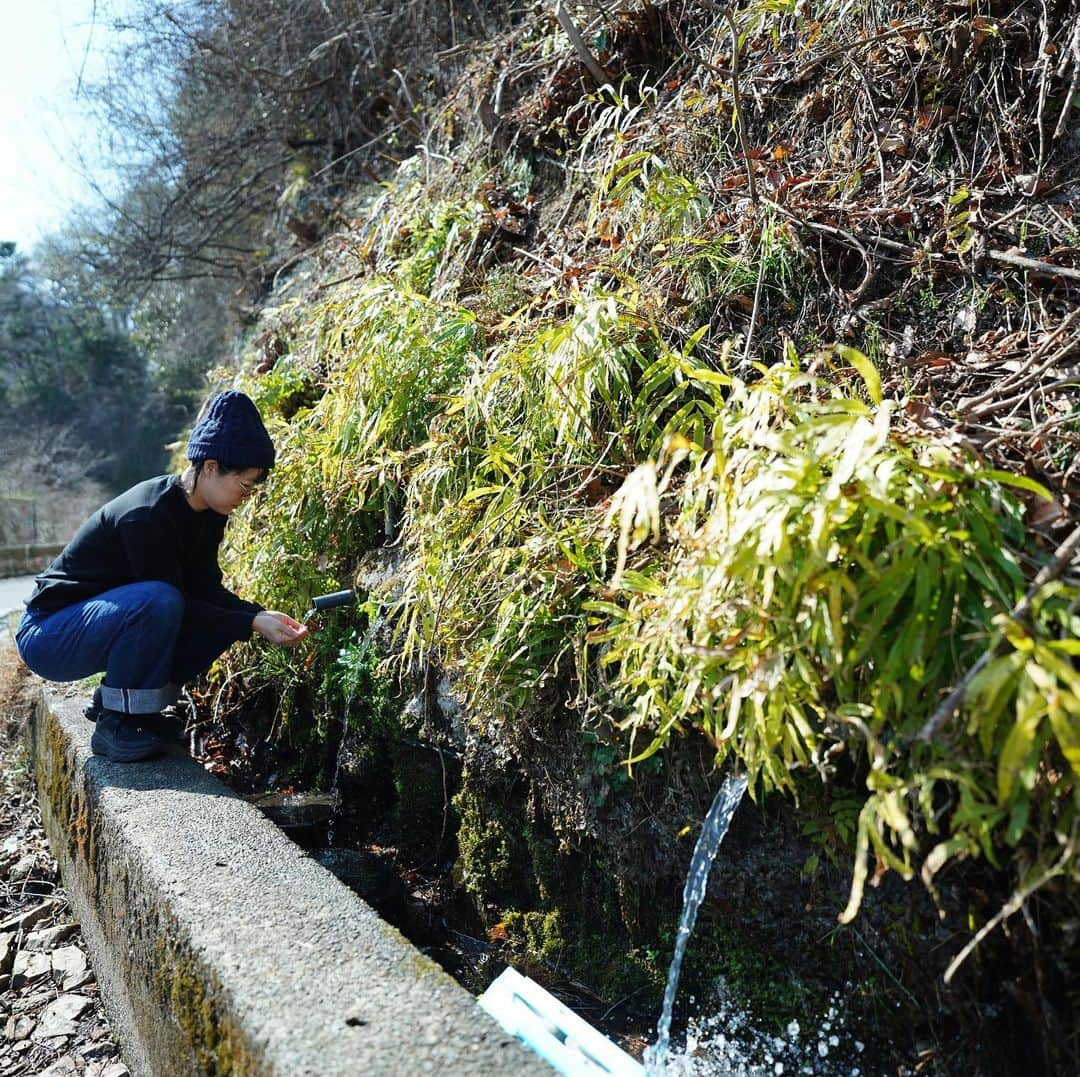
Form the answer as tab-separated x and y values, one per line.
544	861
492	856
419	794
538	935
615	969
194	999
760	978
556	907
65	803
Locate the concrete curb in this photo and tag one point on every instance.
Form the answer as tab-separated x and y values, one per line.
221	948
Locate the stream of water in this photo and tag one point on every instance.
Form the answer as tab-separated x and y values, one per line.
712	834
335	795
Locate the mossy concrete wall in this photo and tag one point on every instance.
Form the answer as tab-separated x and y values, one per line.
221	948
25	558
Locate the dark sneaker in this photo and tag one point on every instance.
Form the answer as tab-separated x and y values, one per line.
125	738
170	725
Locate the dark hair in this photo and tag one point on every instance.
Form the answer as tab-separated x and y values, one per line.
225	469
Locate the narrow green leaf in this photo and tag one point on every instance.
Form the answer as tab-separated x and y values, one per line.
866	370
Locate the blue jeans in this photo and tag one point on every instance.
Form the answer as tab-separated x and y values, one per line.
146	637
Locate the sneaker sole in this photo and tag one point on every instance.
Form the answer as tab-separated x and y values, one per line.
132	755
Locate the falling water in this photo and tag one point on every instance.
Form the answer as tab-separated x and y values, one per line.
335	794
712	834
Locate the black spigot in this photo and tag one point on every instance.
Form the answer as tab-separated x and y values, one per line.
329	602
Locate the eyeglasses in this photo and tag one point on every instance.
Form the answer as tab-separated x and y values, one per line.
246	486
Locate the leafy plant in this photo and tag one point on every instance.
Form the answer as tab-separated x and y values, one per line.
794	606
598	510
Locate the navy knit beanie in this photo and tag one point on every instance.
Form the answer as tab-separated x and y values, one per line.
232	433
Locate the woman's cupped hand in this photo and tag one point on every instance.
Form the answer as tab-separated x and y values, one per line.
279	628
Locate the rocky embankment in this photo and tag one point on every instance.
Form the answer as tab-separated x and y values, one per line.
52	1021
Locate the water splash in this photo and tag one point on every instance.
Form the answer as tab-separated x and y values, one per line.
712	834
727	1042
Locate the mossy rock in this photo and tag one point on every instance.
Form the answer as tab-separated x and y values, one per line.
494	862
422	813
538	934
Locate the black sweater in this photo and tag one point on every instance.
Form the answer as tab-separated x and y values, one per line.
148	533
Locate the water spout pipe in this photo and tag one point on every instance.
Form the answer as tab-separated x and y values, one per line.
328	602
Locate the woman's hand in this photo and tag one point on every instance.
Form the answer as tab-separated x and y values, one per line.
279	628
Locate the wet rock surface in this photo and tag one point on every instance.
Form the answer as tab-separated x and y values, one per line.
52	1021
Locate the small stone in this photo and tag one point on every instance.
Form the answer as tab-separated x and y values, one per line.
21	868
76	980
98	1052
60	1016
18	1028
49	937
30	966
55	1033
23	921
65	1066
67	1007
7	951
22	1045
69	961
116	1069
53	1044
31	1002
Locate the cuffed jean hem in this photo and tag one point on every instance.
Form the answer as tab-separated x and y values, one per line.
138	700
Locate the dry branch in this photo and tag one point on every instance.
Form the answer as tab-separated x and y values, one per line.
1024	262
594	66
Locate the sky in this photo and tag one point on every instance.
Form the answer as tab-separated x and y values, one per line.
43	127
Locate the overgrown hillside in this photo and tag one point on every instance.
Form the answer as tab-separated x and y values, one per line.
701	396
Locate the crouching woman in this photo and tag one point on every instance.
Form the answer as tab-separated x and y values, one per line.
137	593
